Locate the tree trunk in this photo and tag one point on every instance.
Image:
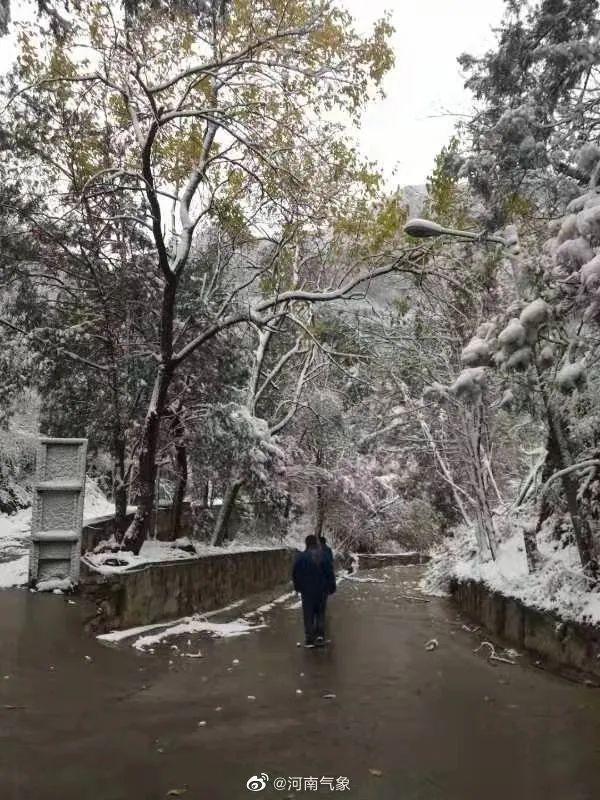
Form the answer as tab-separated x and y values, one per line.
120	498
581	528
531	548
180	487
484	523
320	500
140	526
181	472
552	464
319	512
288	506
119	489
205	494
221	527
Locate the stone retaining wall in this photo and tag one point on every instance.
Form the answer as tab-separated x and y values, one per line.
102	528
563	645
166	591
377	560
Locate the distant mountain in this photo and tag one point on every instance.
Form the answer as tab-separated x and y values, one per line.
415	196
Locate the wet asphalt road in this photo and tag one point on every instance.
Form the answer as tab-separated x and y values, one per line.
439	725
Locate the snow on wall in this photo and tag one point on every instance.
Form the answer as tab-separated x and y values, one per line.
558	586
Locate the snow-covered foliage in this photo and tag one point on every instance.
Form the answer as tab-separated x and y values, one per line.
469	383
571	376
230	442
520	359
572	254
370	509
458	389
557	586
513	336
529	157
589	274
534	314
476	353
17	466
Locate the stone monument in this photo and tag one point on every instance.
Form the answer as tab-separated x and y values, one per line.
57	514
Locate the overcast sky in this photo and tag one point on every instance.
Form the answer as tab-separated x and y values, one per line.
404	131
408	128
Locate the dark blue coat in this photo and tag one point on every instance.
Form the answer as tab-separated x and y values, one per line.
313	573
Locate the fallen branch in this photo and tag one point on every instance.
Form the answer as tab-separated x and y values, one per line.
470	629
493	656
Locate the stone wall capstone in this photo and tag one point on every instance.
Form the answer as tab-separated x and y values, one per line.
168	590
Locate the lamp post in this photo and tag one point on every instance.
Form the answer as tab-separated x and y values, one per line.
426	229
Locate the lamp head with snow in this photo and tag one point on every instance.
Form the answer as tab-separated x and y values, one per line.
426	229
423	228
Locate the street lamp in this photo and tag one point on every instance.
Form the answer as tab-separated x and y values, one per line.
426	229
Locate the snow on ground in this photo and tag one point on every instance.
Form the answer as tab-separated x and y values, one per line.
270	606
558	586
145	641
14	548
197	623
95	503
154	551
14	572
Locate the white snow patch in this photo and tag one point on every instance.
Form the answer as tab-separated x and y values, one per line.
198	624
270	606
14	572
54	585
118	636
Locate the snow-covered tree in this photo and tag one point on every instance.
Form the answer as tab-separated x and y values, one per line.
217	120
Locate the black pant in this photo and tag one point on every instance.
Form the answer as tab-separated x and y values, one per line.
313	609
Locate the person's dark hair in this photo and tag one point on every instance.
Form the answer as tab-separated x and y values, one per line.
323	540
310	541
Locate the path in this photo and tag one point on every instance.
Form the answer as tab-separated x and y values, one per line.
440	725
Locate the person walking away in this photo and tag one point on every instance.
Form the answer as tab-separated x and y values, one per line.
314	579
327	551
